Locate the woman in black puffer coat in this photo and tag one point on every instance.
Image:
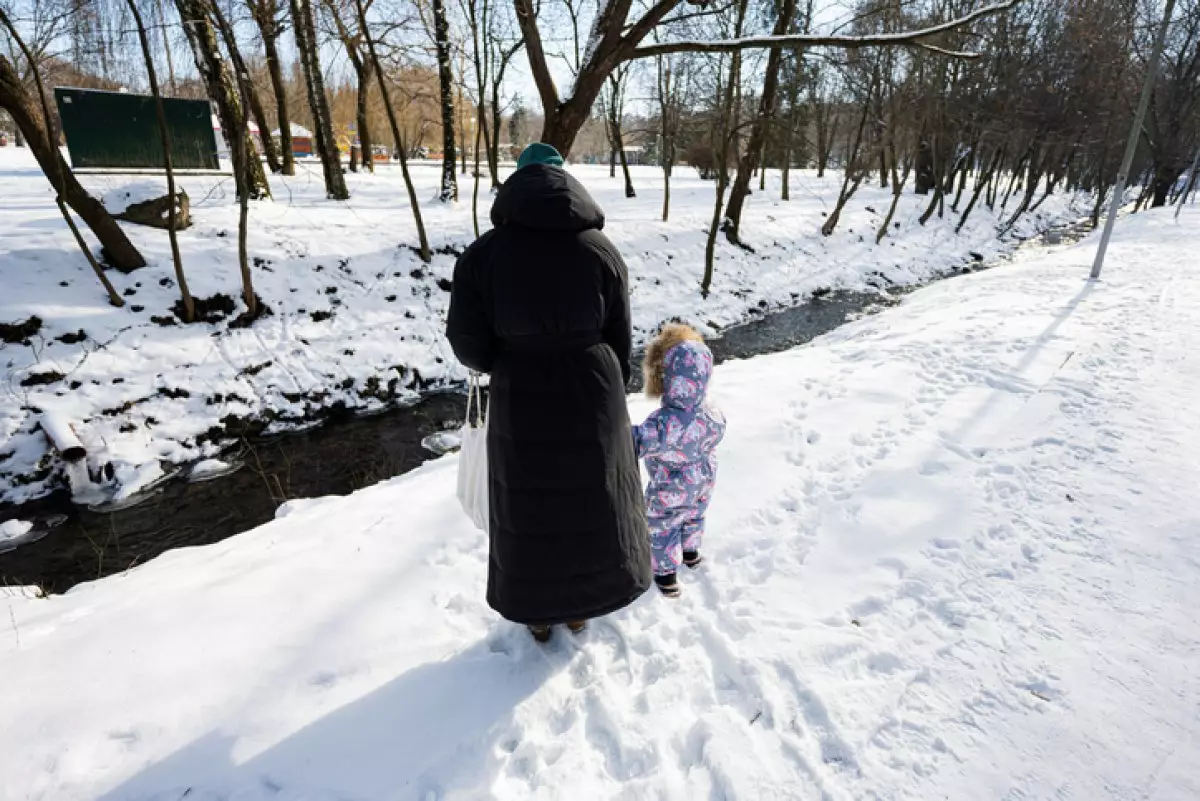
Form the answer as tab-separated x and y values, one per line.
541	302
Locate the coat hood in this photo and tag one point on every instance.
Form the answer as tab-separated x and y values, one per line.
546	198
687	368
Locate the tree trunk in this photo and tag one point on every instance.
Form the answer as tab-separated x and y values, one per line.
788	146
925	165
248	90
366	144
480	124
481	54
666	204
497	120
1036	172
424	251
1016	175
221	89
822	146
189	306
629	190
758	131
461	128
115	246
485	129
610	130
721	155
270	36
314	81
897	190
849	188
962	177
939	186
666	130
993	183
441	38
166	46
826	152
614	123
850	181
561	127
1165	177
981	184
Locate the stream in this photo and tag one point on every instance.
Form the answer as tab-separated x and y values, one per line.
339	458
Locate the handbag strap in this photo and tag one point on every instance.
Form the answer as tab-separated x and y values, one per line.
474	401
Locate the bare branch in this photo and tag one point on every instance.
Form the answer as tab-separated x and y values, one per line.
705	12
537	54
941	51
908	38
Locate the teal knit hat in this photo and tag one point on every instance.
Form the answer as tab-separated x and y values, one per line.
539	153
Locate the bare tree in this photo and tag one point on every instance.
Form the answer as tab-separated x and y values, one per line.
44	23
19	105
448	189
164	131
247	92
726	131
758	131
314	82
1174	118
613	105
503	45
165	42
268	16
42	139
671	95
615	39
855	170
354	43
478	17
222	89
398	138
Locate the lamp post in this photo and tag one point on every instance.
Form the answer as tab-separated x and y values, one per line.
1134	136
1192	182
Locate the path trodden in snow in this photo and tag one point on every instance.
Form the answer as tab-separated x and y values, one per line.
953	554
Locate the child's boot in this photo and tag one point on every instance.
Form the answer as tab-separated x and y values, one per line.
692	559
668	585
540	633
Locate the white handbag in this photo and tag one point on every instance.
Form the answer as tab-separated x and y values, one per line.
472	459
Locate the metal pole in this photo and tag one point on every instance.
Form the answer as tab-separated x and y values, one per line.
1134	136
1190	186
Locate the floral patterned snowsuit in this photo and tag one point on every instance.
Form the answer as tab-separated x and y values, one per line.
678	442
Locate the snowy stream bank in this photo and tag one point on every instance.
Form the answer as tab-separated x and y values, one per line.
348	453
357	320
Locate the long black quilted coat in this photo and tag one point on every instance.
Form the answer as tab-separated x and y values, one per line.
541	303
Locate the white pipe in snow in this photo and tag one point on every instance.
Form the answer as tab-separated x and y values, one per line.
62	436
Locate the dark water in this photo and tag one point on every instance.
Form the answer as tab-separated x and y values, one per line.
336	459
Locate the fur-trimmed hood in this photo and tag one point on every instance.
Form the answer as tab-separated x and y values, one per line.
678	366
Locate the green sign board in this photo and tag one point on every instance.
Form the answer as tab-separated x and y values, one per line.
120	130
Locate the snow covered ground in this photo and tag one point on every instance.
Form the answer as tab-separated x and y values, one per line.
953	553
357	319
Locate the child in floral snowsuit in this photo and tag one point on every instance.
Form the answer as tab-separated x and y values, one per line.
678	442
